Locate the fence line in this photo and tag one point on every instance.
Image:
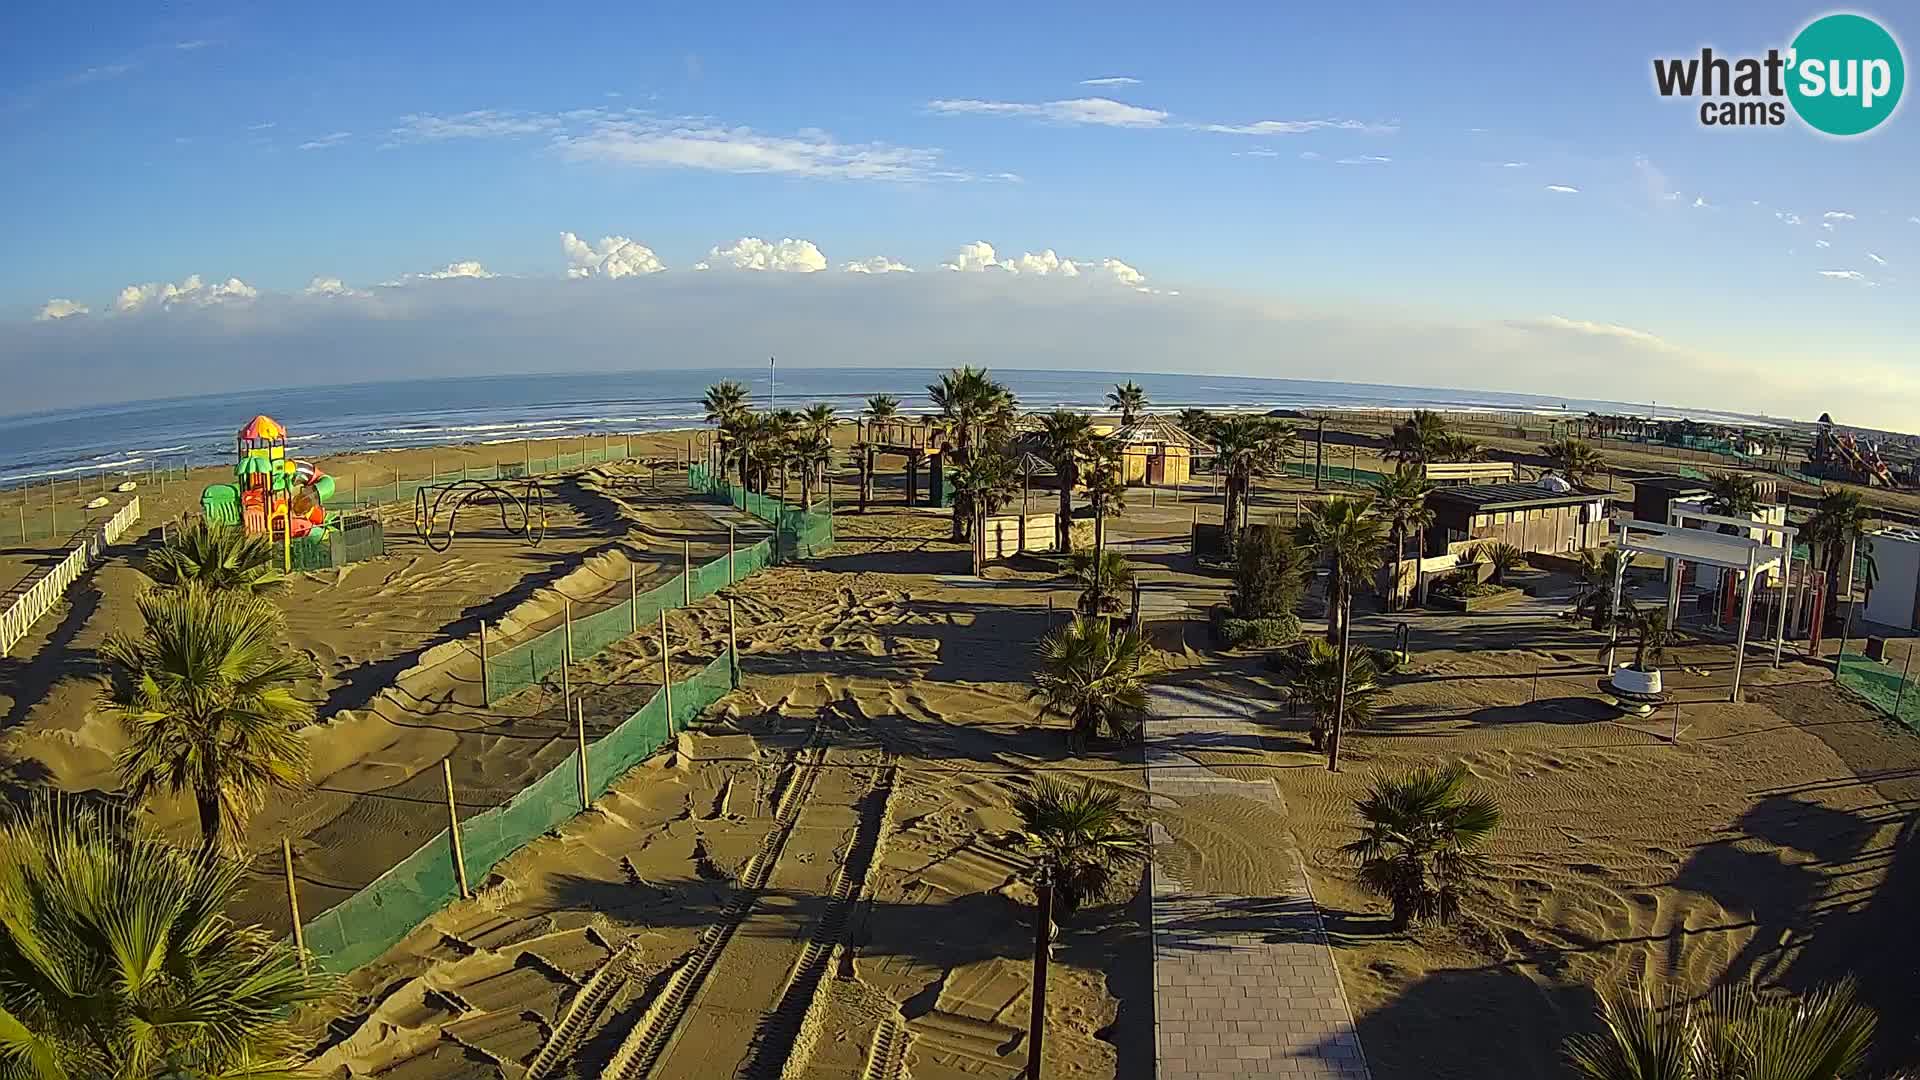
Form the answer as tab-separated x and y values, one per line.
1882	687
45	593
381	915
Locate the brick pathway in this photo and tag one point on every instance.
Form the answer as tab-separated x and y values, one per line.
1242	985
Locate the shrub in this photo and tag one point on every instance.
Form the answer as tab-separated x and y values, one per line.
1291	658
1267	574
1236	632
1386	661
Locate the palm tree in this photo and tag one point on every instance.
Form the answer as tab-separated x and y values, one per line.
1102	578
1837	526
1575	458
223	558
1418	438
1648	626
1129	400
882	408
206	697
1506	558
1456	448
808	453
1420	841
1105	486
119	962
1597	573
1317	686
1734	494
728	405
1064	438
1092	673
1737	1034
1084	834
1341	534
977	411
986	482
1400	498
1245	446
1198	423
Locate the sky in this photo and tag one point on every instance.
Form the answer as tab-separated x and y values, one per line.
200	196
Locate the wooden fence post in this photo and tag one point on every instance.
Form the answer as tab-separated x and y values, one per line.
729	554
686	573
666	670
580	733
566	663
453	829
293	902
633	600
486	688
733	647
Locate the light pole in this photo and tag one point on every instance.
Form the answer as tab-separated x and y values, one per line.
1340	692
1042	931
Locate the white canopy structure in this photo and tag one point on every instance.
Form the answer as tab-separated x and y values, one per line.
1738	552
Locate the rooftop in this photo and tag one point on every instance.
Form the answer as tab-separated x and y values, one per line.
1479	497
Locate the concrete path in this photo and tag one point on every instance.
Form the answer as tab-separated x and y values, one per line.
1242	985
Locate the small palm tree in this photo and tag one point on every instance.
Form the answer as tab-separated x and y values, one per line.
1102	477
1505	558
119	962
1064	439
1457	448
1597	572
1084	834
223	558
882	408
1342	535
1129	400
1648	626
1420	841
1733	494
206	697
1317	686
1576	459
1737	1034
1417	439
1400	498
1093	674
1837	525
1103	578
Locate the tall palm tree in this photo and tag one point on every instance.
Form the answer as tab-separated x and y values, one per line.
1084	834
206	697
1105	485
1129	400
1198	423
808	453
1063	439
1342	534
1400	498
1456	448
1245	446
986	483
1102	578
1092	672
728	404
1417	439
116	959
977	411
1837	525
1420	841
882	408
1575	458
1317	686
224	558
1738	1033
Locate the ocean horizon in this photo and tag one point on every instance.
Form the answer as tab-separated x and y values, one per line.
360	417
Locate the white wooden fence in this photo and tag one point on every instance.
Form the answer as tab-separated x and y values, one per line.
46	592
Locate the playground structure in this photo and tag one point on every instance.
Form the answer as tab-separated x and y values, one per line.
531	503
271	495
1840	456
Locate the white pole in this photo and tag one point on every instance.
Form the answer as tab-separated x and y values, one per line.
1746	613
1619	579
1786	578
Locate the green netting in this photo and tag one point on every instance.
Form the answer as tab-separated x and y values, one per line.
1339	474
1882	686
378	917
798	534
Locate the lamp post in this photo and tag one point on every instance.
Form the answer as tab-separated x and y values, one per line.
1042	931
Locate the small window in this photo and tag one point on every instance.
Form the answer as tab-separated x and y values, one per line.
1480	521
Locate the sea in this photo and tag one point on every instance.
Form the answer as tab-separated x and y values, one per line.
324	420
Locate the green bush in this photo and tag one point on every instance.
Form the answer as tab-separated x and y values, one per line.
1236	632
1268	574
1386	661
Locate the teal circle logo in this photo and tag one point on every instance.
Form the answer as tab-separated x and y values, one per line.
1846	74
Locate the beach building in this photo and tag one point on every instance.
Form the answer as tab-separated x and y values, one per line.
1894	600
1548	516
1154	450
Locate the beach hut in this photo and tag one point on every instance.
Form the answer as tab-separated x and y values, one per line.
1155	450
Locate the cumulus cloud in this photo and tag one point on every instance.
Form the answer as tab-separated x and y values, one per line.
1837	215
980	256
191	292
753	253
615	257
877	264
330	286
467	268
1105	112
326	141
1914	220
60	309
1111	80
1563	189
1121	272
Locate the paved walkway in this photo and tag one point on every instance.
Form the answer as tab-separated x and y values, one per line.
1242	985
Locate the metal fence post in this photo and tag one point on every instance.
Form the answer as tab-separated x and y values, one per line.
1901	693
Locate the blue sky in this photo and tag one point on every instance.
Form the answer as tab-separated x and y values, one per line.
1389	163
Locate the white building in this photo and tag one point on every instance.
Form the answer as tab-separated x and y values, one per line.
1895	598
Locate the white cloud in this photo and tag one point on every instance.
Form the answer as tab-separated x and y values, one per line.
615	257
191	292
60	309
1111	80
1844	275
189	46
1822	243
1122	273
1261	152
1513	164
467	268
331	286
1876	258
1105	112
1298	127
326	141
980	256
264	126
1837	215
753	253
1563	189
1309	155
1365	159
1827	225
1653	181
1914	220
1700	203
476	124
877	264
1790	219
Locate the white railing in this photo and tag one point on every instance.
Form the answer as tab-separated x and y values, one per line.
46	592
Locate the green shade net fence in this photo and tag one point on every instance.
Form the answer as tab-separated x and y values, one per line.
378	917
1339	474
1883	687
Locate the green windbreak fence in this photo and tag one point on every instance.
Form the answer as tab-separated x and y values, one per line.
1883	686
1339	474
798	534
356	488
378	917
